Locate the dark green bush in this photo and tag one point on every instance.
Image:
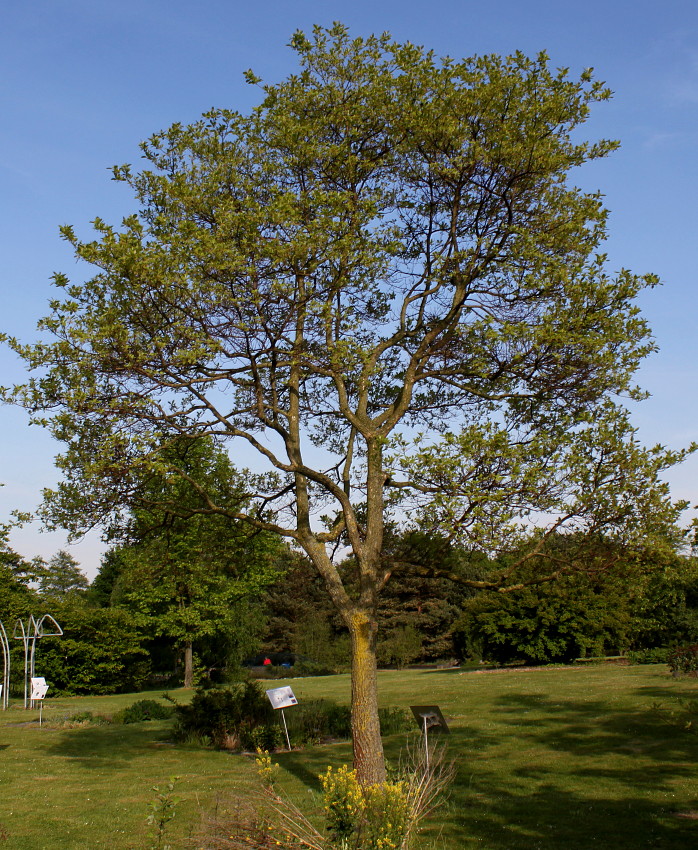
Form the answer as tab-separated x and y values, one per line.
242	718
143	709
308	667
658	655
268	737
683	661
227	716
100	652
316	720
394	720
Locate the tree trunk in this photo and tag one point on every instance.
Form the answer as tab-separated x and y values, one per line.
188	665
365	726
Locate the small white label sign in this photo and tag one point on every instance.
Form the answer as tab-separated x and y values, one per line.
39	688
281	697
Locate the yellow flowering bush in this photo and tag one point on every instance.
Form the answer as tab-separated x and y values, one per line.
386	816
266	769
343	803
372	818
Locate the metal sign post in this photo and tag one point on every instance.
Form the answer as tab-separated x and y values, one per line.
281	698
38	693
429	717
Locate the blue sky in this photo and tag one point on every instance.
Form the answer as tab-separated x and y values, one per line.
84	82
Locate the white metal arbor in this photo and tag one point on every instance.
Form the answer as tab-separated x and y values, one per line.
5	684
29	635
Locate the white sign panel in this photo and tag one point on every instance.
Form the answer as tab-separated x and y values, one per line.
39	688
281	697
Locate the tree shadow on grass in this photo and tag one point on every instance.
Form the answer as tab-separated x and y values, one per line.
672	690
109	746
550	818
532	808
595	728
571	775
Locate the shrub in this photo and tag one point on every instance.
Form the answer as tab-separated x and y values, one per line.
227	716
308	667
100	652
394	720
143	709
372	818
316	720
658	655
683	661
313	720
242	717
268	737
384	816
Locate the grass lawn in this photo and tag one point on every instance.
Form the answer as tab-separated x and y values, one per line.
548	759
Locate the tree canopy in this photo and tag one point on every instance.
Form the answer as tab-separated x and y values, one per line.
191	575
384	283
61	578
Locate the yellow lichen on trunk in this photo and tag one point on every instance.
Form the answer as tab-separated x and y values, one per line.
366	735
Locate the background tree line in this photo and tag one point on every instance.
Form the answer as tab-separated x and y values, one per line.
172	606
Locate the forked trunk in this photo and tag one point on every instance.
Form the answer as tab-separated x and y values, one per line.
188	665
365	726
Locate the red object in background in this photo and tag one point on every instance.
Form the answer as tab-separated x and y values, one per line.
266	662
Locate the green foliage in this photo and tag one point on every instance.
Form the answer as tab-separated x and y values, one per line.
558	622
15	575
664	606
61	579
416	611
100	652
268	737
142	710
161	811
320	648
191	577
395	720
298	614
683	661
402	646
104	585
315	720
658	655
228	716
642	605
242	717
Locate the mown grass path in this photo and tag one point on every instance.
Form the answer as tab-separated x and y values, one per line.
548	759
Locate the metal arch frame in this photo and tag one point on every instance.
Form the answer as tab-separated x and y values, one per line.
5	700
29	637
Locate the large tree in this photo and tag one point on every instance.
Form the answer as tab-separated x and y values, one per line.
194	576
382	283
61	578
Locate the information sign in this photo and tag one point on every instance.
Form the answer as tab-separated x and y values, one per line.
281	697
39	688
429	718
